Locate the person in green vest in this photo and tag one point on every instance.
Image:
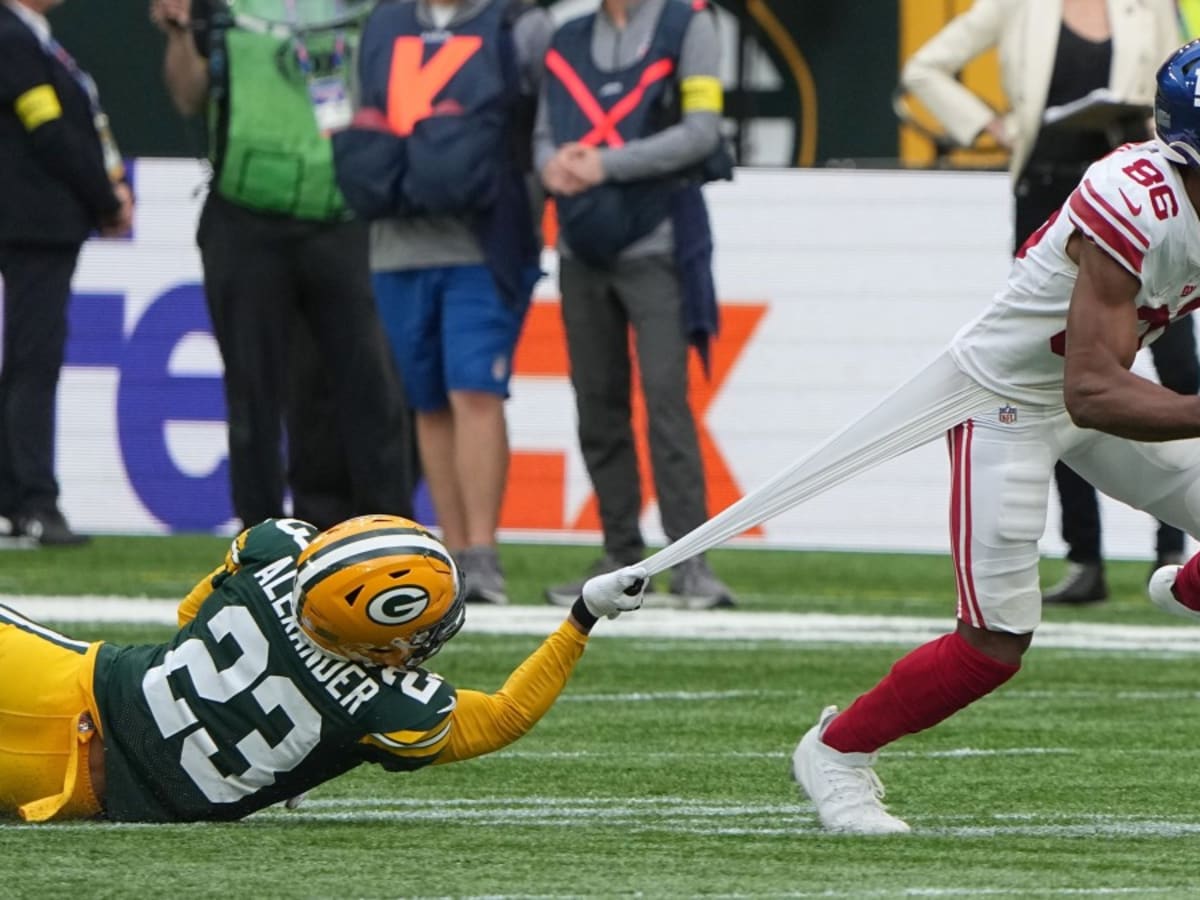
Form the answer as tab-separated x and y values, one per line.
285	264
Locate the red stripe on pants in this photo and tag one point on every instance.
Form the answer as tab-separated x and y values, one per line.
960	522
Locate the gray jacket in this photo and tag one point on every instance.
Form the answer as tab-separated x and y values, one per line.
671	150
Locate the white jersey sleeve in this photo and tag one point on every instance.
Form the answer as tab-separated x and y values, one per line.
1133	205
1124	204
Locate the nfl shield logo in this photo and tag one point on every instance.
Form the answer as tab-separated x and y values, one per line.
1008	415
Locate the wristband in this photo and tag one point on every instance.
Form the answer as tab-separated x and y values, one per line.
583	615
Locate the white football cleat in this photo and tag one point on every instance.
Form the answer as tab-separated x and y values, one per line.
1163	596
844	787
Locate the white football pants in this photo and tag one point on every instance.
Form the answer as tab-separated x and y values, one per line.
1002	462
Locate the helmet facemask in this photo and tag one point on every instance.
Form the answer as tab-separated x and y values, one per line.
380	590
408	654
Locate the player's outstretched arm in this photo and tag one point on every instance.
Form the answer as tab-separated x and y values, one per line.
482	723
1099	389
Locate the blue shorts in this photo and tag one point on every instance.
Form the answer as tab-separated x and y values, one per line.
450	330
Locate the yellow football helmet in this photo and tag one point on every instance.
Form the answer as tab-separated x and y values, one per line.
378	589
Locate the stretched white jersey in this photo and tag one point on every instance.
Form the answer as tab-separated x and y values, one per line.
1133	206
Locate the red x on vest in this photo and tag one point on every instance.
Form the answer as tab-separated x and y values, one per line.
604	130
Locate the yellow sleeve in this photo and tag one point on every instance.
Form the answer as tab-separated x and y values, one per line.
482	723
196	596
476	723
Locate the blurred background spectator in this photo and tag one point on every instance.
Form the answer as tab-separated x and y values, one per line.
454	249
1053	54
60	178
788	102
628	128
285	263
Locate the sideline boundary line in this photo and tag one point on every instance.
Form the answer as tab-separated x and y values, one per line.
724	625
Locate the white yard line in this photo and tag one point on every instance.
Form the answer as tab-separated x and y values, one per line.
724	625
707	816
704	816
958	753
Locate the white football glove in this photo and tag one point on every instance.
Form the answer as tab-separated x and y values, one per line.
613	593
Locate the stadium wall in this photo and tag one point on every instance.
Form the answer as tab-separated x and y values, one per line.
835	285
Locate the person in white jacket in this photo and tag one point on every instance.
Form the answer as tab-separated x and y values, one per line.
1054	53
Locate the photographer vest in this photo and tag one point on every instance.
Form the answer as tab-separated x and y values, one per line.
601	108
274	158
440	131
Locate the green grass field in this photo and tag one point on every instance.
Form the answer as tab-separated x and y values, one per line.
662	772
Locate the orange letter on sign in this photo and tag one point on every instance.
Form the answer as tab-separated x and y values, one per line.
537	487
413	83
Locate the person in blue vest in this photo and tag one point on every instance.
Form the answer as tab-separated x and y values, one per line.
285	263
440	159
628	128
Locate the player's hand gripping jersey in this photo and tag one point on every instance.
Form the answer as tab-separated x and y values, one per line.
240	710
1132	205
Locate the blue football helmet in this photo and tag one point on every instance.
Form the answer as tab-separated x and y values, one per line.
1177	106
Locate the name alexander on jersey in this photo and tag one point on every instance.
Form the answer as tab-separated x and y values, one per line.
346	682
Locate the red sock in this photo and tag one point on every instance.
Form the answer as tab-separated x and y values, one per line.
930	684
1187	583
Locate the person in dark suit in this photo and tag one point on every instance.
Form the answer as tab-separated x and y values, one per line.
61	178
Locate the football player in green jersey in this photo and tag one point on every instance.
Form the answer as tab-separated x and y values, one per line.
297	659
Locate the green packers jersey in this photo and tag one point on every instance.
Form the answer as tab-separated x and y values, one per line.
238	710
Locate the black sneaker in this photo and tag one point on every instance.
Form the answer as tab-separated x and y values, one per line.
696	587
1083	583
11	537
483	575
49	529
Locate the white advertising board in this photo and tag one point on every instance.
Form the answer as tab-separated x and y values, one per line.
835	285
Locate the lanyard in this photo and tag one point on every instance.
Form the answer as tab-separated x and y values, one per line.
304	58
300	49
113	164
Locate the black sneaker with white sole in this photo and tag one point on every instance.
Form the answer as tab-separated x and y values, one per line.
48	528
567	593
694	586
483	577
11	537
1082	584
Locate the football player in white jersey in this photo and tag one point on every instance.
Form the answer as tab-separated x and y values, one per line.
1044	374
